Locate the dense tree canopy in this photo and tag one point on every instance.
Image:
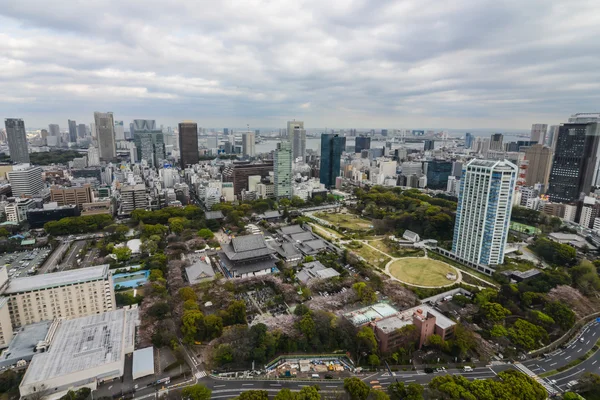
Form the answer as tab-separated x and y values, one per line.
75	225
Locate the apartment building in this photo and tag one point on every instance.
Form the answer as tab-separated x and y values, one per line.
68	294
17	211
133	198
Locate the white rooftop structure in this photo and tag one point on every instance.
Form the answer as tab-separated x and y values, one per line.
143	362
55	279
83	352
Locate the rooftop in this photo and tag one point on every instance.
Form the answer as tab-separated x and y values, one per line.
405	317
370	313
55	279
199	271
143	362
23	344
248	242
84	343
292	229
214	215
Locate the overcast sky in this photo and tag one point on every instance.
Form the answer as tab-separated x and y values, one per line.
363	63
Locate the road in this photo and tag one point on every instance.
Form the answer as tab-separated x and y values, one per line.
70	259
54	258
229	388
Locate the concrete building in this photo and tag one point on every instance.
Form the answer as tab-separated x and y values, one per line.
81	131
538	133
72	131
239	173
149	142
119	130
496	142
133	198
17	211
362	143
540	163
97	207
17	140
37	217
282	169
68	294
6	329
105	135
54	130
248	144
575	162
26	181
82	352
77	196
188	143
483	211
297	137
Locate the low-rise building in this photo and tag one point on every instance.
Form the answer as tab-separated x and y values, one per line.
37	217
83	352
199	272
315	270
247	256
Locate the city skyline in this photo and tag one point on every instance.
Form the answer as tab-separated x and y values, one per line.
388	64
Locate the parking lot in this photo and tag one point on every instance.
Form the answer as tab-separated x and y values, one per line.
24	263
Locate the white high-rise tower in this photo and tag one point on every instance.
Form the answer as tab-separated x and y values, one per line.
483	211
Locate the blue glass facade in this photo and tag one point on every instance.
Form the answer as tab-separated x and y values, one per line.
332	147
437	174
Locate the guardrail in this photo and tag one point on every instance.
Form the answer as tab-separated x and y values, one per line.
569	334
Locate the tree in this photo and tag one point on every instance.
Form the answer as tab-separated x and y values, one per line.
206	233
365	340
561	313
254	395
159	310
236	313
149	247
306	325
571	396
122	253
224	354
189	324
356	388
196	392
374	360
379	395
213	325
498	331
527	335
494	312
285	394
187	293
364	293
190	305
155	275
309	393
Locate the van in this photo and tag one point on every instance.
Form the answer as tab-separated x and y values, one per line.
467	369
315	376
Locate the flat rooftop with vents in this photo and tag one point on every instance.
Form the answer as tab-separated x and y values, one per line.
83	352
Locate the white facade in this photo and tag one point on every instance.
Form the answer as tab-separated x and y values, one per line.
17	211
483	211
248	144
570	212
26	182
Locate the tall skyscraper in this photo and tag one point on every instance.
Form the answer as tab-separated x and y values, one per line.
105	134
362	143
17	140
575	162
496	142
130	130
283	170
81	130
428	145
149	141
297	136
54	130
538	133
552	136
438	172
44	133
540	162
248	144
483	211
469	138
119	130
188	143
332	147
72	131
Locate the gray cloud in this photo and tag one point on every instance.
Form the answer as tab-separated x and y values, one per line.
387	64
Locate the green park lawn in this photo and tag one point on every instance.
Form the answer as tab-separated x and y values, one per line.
422	271
346	221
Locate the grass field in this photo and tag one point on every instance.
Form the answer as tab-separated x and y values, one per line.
327	233
346	221
422	271
396	251
519	227
371	256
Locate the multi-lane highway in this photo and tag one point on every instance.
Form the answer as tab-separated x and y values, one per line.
580	345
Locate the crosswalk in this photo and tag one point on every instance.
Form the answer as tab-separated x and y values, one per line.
551	390
200	374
